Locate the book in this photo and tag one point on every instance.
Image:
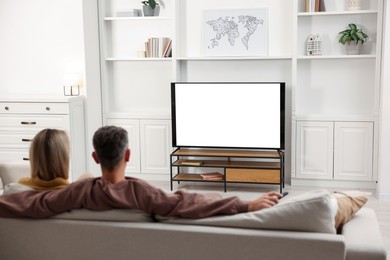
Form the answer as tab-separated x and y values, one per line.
167	49
158	47
212	176
191	162
164	42
313	5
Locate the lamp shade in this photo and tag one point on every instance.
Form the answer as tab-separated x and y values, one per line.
72	79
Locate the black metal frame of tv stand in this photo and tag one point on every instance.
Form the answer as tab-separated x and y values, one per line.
180	153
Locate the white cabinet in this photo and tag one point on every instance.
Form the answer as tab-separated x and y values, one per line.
353	154
21	119
330	88
315	150
149	142
136	89
340	90
335	150
156	146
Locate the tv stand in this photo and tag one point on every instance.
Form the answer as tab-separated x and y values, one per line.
238	166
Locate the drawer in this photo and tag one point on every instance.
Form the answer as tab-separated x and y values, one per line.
253	175
16	140
34	108
14	155
25	122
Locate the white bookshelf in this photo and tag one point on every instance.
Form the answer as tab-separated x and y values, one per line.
330	88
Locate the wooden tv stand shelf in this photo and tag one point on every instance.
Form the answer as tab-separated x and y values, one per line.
239	166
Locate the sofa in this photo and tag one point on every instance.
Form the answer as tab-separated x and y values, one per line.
129	234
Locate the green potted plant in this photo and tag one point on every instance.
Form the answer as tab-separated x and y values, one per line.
151	8
353	38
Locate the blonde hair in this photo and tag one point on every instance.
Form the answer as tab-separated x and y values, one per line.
49	155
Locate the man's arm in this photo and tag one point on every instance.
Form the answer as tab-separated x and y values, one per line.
97	194
191	205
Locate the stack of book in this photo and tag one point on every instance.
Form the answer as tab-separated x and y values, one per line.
313	5
212	176
158	47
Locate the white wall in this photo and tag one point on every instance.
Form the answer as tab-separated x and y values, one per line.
40	41
384	152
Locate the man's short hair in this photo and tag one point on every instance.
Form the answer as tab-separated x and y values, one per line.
110	143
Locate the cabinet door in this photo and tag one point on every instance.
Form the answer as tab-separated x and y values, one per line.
132	128
314	150
14	155
353	152
155	146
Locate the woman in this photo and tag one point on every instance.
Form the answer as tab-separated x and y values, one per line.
49	162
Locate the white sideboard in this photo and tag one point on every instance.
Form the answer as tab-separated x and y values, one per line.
22	118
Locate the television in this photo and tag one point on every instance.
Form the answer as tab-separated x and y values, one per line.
247	115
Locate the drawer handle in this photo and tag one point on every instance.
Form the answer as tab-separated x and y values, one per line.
26	140
26	159
6	108
47	108
28	123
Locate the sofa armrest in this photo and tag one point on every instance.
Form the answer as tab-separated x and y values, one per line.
363	238
13	171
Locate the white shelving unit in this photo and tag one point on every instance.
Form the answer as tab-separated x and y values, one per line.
136	90
334	89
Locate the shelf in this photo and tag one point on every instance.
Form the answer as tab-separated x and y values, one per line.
158	115
192	177
334	117
324	57
228	153
137	59
239	166
230	58
137	18
231	164
306	14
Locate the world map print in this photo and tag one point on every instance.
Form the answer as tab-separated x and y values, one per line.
235	33
227	26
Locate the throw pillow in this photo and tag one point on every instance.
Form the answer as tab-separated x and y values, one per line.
349	202
310	212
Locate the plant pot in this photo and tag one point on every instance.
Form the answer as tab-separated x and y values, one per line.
148	11
353	48
353	5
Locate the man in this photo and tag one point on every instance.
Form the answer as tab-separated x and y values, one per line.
114	190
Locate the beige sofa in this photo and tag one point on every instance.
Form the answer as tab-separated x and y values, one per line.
102	238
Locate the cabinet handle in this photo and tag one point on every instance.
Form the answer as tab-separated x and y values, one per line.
28	123
26	140
26	159
47	108
6	108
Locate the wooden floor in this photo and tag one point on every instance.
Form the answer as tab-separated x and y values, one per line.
382	208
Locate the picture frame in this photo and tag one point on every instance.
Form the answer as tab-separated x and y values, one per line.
236	32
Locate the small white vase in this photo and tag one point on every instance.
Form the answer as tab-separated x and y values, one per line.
353	5
353	48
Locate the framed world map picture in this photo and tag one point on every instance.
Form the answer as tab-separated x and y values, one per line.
237	32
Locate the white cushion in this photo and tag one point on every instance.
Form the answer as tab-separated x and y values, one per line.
15	187
310	212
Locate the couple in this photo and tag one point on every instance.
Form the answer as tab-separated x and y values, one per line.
112	189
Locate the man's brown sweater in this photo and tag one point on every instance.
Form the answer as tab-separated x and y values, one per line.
98	194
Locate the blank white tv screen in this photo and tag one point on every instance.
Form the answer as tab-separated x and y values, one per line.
228	115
